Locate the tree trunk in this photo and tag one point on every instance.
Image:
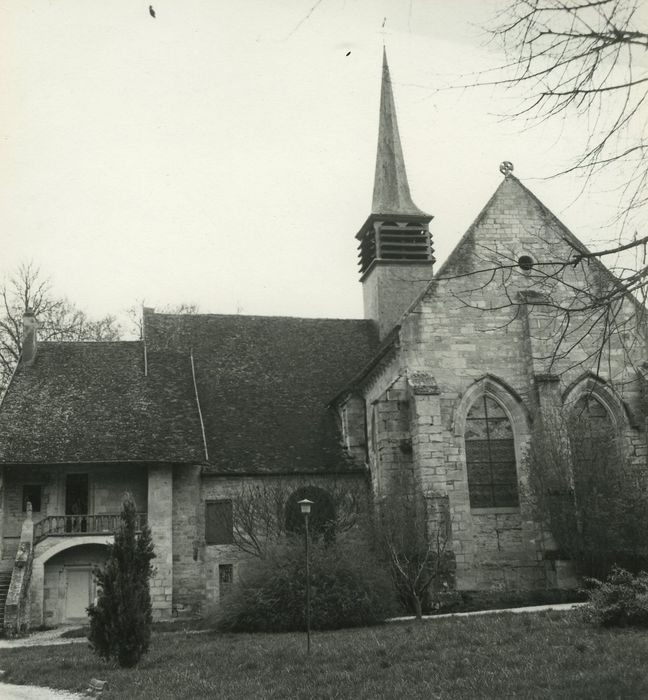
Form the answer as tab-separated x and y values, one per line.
418	608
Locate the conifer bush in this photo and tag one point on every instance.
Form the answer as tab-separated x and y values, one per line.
349	588
619	601
120	621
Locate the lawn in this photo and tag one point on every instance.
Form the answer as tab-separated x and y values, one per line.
540	655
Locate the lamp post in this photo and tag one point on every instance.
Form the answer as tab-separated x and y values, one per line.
305	507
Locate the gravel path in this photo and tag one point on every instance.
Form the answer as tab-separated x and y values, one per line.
39	639
531	608
33	692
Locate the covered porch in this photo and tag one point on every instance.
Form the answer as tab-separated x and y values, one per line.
51	514
67	500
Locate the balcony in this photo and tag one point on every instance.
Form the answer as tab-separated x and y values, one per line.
77	525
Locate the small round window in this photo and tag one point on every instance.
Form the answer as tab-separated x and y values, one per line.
525	262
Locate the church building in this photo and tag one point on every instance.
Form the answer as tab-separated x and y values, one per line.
440	384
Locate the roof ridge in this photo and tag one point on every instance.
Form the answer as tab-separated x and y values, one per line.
261	316
88	342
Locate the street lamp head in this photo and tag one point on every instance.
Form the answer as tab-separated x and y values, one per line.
305	506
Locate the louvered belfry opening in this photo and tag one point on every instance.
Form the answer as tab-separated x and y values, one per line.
395	241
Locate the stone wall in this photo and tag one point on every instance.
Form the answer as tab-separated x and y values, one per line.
385	422
389	289
13	515
160	519
188	542
196	565
17	605
354	432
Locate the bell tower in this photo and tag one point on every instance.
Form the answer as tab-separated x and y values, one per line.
396	254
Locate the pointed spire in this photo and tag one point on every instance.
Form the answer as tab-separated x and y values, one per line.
391	193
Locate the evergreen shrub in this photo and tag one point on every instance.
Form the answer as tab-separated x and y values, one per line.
619	601
120	622
349	588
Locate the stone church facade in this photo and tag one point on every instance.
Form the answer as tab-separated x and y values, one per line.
441	383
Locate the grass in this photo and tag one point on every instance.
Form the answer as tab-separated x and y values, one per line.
541	655
171	626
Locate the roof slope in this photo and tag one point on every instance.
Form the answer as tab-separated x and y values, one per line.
264	384
90	402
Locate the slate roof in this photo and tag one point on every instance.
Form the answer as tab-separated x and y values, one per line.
391	194
83	402
264	385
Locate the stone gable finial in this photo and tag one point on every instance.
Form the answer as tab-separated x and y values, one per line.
506	167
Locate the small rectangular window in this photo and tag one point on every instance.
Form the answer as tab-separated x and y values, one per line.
218	522
32	493
225	579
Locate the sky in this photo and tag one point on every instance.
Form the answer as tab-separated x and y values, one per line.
222	153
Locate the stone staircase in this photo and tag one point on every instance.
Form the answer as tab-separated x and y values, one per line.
5	580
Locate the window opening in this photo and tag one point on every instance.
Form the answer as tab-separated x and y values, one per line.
593	435
525	262
225	579
219	523
490	456
32	493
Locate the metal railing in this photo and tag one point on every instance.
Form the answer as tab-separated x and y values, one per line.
76	525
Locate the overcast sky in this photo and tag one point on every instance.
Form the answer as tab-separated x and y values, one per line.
223	152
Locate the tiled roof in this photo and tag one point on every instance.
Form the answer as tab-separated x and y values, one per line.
90	402
264	384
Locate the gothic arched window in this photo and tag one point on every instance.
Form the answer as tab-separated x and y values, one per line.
592	433
490	456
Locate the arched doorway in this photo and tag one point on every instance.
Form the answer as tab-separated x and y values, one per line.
68	583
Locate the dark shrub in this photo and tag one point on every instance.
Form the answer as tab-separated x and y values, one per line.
120	622
348	589
619	601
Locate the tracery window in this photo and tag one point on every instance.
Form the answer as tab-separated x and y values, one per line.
490	456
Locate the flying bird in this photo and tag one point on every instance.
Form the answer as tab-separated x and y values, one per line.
151	11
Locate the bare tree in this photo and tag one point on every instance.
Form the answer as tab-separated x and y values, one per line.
58	318
413	528
587	495
585	60
262	518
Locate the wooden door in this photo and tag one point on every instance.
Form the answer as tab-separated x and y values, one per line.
78	594
76	502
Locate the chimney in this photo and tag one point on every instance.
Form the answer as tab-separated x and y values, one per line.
30	326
